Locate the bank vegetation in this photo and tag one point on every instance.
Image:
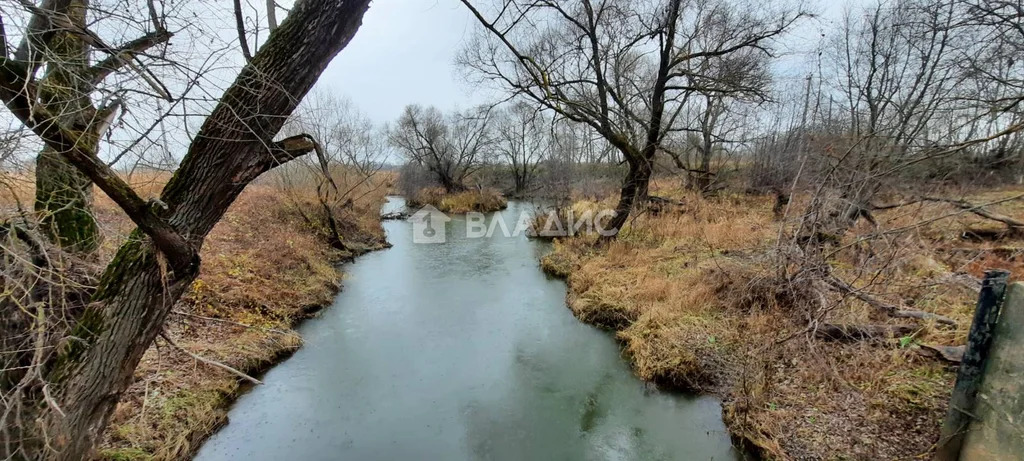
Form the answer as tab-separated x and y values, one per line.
807	245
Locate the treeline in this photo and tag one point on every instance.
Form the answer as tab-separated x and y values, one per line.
515	148
927	90
898	97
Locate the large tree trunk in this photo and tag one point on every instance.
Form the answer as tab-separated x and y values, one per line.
702	177
141	284
633	193
638	180
64	194
64	203
450	184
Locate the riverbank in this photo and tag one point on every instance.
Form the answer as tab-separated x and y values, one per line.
695	298
483	200
265	269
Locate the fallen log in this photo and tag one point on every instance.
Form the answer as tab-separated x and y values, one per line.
890	309
1014	226
852	333
951	354
979	210
395	215
657	205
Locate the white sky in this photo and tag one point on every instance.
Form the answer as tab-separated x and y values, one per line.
405	49
403	54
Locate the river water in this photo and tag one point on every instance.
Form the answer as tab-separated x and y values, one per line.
456	351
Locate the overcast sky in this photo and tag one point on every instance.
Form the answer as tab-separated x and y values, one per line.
405	49
404	54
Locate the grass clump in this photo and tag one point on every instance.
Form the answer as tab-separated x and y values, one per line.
483	200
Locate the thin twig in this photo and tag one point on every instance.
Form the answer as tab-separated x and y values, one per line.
210	362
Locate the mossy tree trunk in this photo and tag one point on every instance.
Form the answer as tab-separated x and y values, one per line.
64	203
160	261
634	190
64	194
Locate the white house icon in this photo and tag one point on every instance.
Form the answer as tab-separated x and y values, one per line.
429	225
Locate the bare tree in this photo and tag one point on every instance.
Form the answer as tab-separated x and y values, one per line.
905	102
894	74
64	405
993	64
704	153
450	147
350	151
626	69
523	141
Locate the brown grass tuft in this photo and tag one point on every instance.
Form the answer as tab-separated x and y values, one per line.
480	200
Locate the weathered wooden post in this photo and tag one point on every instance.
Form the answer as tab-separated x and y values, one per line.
979	341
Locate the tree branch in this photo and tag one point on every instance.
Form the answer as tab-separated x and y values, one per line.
212	363
18	94
892	310
123	55
240	25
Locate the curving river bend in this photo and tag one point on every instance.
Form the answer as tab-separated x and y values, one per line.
461	350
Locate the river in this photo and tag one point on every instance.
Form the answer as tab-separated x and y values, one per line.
455	351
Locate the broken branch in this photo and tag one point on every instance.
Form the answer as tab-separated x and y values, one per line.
890	309
850	333
210	362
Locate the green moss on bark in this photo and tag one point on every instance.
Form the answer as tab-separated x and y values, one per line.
64	194
64	202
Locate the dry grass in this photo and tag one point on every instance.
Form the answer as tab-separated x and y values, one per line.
264	268
700	304
480	200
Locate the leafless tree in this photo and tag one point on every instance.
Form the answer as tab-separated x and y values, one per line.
993	64
350	151
450	147
57	40
624	68
523	140
894	74
909	109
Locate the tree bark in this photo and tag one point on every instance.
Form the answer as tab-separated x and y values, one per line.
64	194
633	193
139	287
